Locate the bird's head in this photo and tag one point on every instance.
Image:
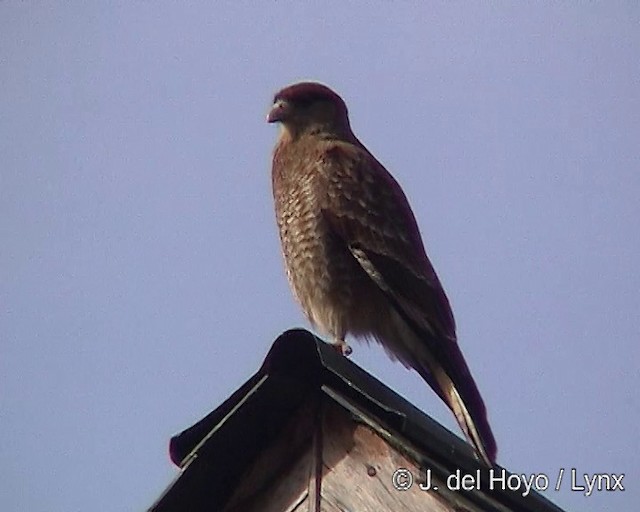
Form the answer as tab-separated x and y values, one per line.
309	106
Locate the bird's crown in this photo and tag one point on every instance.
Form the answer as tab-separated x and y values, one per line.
304	93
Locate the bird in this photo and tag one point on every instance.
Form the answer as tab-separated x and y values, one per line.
354	255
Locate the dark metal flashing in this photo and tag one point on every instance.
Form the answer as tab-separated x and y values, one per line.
214	453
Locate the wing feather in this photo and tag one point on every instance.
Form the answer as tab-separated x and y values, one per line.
366	208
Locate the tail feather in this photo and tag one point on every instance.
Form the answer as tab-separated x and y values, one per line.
467	406
441	364
416	326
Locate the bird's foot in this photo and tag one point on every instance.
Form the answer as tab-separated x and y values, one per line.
342	348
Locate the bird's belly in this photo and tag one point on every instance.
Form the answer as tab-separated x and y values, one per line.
336	294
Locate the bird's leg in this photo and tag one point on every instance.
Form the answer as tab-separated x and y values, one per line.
341	347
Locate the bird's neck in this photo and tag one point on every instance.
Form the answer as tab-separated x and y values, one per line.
293	134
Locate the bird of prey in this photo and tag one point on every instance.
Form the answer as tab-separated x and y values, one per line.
354	255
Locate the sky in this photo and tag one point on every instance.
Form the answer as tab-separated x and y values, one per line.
141	280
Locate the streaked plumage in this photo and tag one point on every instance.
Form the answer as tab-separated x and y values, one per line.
353	252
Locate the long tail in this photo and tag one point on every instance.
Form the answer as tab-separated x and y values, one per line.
464	400
418	329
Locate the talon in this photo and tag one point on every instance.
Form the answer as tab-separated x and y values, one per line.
342	348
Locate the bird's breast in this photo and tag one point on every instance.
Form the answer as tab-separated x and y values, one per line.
322	273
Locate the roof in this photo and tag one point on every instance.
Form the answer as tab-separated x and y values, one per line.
298	366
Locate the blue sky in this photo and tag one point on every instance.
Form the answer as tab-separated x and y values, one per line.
141	280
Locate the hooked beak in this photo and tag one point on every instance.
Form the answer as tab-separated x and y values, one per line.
278	112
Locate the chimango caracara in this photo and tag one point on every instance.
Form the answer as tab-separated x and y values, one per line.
354	255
